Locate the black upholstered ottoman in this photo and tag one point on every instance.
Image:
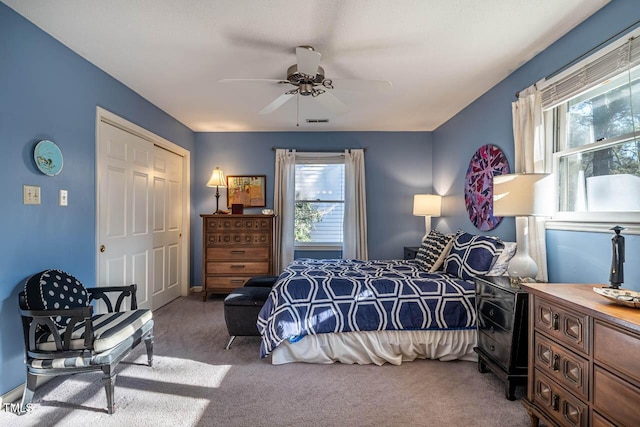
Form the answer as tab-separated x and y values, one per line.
262	281
241	308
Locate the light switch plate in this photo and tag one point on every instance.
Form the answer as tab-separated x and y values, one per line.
31	194
63	199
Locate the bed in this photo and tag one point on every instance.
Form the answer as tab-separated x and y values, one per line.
382	311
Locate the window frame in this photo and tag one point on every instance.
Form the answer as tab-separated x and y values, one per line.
555	117
315	158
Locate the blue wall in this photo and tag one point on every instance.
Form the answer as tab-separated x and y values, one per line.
397	165
573	256
49	92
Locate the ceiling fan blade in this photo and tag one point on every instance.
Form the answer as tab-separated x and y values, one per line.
251	81
308	61
361	85
332	103
277	103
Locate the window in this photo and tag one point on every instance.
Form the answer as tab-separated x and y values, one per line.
596	136
319	209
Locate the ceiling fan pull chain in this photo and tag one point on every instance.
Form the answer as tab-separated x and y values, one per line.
297	110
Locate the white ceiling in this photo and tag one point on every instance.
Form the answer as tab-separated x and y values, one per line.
440	55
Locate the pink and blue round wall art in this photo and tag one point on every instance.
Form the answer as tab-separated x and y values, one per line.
488	161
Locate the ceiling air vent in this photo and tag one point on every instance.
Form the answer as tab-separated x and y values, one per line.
317	120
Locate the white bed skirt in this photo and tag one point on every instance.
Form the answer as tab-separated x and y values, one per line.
379	347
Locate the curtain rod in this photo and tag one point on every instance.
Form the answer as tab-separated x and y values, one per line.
587	53
316	151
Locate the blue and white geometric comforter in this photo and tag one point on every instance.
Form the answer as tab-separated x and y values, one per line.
327	296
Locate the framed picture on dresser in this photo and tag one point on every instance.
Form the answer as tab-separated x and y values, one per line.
248	191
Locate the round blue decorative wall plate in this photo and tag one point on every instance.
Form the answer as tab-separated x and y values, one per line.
48	157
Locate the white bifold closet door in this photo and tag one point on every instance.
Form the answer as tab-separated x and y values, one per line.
139	216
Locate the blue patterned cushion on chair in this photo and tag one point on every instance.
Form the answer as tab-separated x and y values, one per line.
471	255
55	290
434	248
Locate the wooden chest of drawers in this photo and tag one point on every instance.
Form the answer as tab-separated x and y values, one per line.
584	358
235	248
502	330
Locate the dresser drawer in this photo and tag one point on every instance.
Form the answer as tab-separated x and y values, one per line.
497	315
237	224
228	239
237	268
598	420
495	346
497	296
561	405
617	348
568	369
225	283
238	253
564	325
616	398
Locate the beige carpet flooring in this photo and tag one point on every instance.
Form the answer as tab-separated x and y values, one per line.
195	382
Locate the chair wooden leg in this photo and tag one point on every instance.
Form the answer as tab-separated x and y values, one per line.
109	380
29	390
149	343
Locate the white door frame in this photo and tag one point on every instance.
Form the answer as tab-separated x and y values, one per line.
105	116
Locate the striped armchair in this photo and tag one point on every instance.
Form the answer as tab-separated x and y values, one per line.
63	336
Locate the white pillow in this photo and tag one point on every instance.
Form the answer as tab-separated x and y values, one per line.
502	263
433	250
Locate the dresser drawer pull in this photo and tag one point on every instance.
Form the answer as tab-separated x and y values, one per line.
237	281
555	322
555	402
556	362
237	252
491	312
237	266
492	347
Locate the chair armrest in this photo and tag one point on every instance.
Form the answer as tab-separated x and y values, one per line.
100	293
33	320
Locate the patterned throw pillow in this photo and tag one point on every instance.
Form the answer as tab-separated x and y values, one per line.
435	247
55	290
502	263
471	255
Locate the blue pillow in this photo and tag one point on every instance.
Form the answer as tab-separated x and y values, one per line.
55	290
471	255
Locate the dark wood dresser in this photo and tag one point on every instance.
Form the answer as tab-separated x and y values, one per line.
410	252
584	359
502	330
235	248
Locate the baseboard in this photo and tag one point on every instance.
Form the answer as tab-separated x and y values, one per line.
195	289
16	394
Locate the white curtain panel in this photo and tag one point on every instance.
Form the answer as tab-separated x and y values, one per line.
284	208
355	207
530	154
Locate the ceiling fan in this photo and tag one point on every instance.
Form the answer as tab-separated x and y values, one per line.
308	79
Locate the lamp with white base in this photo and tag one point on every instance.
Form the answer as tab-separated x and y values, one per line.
427	205
522	196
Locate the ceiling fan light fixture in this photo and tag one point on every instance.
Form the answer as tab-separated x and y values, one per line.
306	89
295	77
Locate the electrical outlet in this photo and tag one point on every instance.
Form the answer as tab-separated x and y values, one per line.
64	200
31	194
